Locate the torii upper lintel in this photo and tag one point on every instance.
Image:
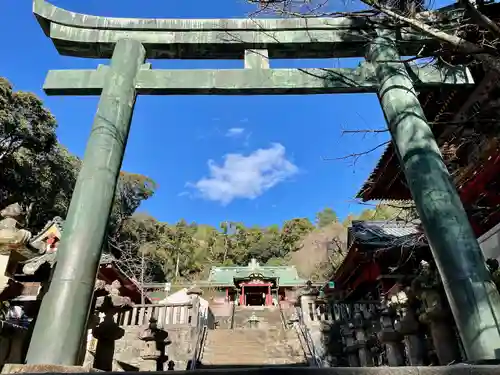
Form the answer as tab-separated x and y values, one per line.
82	35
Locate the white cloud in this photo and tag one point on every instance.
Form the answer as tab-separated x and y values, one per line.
235	132
247	177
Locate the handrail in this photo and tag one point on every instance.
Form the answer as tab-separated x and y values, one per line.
233	311
282	316
307	338
200	343
199	333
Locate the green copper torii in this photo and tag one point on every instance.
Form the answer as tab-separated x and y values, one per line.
473	298
65	307
127	42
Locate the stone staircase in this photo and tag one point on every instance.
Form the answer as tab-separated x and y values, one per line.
267	316
243	347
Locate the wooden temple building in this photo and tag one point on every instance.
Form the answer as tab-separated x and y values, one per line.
255	284
379	255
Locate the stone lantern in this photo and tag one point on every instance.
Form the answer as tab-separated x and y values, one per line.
107	332
13	248
155	341
253	321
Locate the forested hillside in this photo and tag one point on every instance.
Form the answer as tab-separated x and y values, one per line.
39	172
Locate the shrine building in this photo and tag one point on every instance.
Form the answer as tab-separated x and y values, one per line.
256	285
381	255
35	272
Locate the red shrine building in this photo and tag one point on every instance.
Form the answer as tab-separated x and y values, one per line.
380	255
254	284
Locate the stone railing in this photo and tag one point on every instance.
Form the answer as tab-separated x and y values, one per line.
170	314
314	351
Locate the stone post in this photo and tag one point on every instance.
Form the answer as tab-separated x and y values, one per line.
307	298
360	327
65	309
473	298
107	332
155	341
198	317
435	314
351	349
390	338
440	325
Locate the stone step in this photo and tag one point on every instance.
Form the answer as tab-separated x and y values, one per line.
240	347
248	361
299	370
248	367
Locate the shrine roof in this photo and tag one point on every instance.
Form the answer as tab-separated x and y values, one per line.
225	276
383	233
370	236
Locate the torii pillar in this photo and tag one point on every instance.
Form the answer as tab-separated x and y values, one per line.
472	295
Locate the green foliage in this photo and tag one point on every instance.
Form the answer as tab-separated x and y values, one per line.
38	171
326	217
293	231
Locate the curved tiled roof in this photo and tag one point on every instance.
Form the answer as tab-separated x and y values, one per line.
285	275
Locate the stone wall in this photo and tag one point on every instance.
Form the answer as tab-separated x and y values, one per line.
127	355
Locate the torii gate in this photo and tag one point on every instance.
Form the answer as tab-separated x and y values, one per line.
63	315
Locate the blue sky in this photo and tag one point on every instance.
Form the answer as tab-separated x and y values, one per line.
258	160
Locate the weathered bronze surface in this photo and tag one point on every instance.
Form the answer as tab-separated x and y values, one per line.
65	308
472	295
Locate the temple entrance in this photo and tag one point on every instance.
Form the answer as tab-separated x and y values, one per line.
256	296
255	290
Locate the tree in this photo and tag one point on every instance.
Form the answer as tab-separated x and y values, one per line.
293	230
39	172
135	247
131	191
326	217
24	123
412	14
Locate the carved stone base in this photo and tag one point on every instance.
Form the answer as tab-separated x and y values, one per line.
10	368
